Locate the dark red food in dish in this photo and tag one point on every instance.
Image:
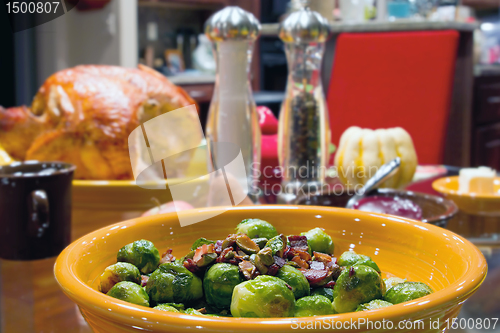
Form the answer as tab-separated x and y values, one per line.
390	205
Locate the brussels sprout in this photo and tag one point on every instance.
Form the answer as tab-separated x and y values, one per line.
166	307
189	255
255	228
178	306
348	259
327	292
313	306
367	261
194	312
129	292
121	271
296	280
277	244
319	241
355	286
199	242
219	283
141	253
351	258
173	283
372	305
264	297
392	281
261	242
406	291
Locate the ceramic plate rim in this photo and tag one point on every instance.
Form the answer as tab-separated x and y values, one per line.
439	186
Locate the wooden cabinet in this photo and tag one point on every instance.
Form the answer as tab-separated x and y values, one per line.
487	150
201	11
487	100
486	122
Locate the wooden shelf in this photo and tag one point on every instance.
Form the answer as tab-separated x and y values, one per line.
252	6
482	4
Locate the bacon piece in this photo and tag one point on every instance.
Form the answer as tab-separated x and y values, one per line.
317	265
330	284
218	247
202	310
280	262
191	266
226	255
314	276
234	261
144	280
323	257
298	244
297	250
301	262
273	270
200	251
304	255
167	257
297	241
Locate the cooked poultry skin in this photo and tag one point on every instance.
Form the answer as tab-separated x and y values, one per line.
84	115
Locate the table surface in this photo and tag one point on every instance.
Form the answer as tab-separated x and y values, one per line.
31	300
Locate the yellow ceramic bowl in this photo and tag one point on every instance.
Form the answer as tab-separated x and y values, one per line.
451	265
472	203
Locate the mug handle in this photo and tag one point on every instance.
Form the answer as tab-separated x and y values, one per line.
39	213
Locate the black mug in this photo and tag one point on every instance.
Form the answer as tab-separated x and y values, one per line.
35	209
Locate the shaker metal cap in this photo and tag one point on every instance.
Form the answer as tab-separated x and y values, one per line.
232	23
304	26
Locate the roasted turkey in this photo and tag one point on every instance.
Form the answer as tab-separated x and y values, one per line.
84	115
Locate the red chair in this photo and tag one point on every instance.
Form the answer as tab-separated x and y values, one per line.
383	80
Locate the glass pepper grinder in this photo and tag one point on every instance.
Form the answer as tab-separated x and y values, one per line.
304	134
232	116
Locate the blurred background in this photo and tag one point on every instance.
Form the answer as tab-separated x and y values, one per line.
168	36
430	66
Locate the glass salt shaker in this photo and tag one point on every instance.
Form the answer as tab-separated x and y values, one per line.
232	116
304	134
